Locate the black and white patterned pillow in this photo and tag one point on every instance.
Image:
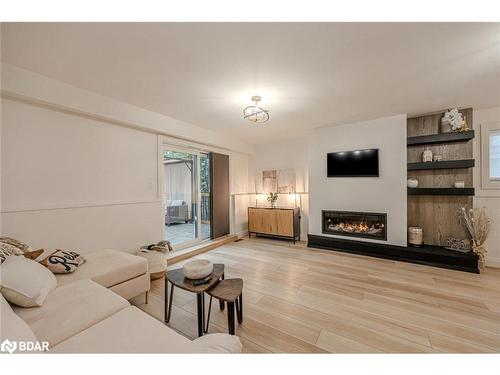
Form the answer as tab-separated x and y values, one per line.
16	243
62	261
7	250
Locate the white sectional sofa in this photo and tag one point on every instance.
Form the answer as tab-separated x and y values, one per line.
85	317
88	312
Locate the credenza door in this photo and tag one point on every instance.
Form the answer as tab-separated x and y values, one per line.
284	223
259	220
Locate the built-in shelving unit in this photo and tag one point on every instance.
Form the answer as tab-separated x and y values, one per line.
446	164
440	138
433	205
464	192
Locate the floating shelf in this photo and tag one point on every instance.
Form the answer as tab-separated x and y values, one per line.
441	191
446	164
440	138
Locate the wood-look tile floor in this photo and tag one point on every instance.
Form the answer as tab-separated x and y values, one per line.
300	300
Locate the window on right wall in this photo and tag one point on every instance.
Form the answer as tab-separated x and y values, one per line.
494	143
490	156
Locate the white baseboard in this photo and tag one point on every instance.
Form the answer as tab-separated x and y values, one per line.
493	262
242	234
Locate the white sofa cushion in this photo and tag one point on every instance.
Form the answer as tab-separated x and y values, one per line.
25	282
218	343
107	268
132	331
70	309
12	327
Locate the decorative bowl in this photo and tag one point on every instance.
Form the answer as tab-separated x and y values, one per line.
412	183
197	269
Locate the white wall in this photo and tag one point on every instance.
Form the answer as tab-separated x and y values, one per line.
81	171
386	193
284	154
77	183
487	197
239	188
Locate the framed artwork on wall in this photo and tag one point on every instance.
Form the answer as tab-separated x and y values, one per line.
269	181
286	181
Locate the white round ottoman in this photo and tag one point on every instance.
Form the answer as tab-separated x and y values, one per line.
157	262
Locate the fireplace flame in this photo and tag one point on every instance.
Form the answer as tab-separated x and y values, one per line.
361	227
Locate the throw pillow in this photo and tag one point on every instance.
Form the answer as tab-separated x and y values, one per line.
62	261
20	245
25	282
7	250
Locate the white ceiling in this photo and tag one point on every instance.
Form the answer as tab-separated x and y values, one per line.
308	74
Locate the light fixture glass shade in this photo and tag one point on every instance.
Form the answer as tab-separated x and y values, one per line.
255	113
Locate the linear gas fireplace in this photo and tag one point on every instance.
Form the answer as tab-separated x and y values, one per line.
355	224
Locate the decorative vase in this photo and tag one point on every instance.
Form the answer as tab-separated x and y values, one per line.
427	156
415	236
445	126
273	204
412	182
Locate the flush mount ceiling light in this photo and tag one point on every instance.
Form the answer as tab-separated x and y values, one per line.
255	113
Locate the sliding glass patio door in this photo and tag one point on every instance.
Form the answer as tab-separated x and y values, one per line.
186	189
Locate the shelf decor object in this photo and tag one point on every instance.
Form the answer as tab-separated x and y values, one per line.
427	156
455	119
412	183
415	236
478	223
457	244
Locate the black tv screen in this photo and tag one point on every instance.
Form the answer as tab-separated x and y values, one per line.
359	163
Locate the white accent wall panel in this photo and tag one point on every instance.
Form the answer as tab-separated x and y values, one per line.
386	194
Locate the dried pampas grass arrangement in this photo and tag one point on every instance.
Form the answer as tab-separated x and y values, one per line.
478	223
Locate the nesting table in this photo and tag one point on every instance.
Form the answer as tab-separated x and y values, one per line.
176	278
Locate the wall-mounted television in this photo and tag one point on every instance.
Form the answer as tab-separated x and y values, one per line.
359	163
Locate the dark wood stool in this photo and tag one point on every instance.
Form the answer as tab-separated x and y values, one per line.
228	291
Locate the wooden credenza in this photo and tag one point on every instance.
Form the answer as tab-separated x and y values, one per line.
275	222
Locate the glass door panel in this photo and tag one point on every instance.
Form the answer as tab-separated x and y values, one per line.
181	197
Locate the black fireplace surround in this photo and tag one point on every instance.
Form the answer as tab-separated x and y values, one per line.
372	225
